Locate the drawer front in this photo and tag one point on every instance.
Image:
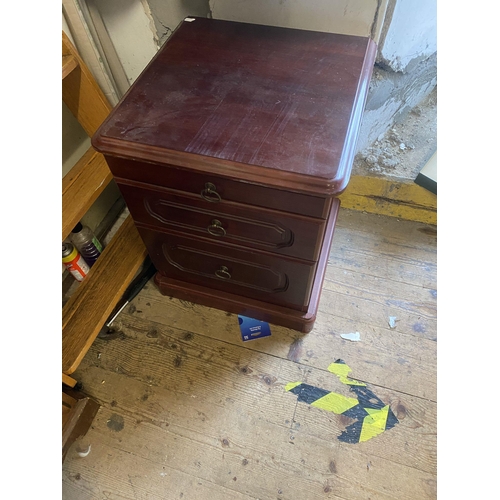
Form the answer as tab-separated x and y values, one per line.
212	189
252	274
260	228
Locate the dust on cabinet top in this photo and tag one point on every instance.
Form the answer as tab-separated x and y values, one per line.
264	104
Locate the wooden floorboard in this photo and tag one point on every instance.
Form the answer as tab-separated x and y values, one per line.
190	411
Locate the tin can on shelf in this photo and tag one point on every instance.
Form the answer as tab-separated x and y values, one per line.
74	262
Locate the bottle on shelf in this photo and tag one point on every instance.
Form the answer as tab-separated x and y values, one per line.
74	262
85	241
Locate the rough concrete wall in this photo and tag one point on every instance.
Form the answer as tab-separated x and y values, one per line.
409	34
406	67
354	17
392	95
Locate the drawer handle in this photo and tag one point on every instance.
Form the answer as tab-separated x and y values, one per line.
216	229
210	193
223	273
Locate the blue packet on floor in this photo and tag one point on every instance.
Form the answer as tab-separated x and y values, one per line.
252	329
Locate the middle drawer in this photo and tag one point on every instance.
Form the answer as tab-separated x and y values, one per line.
249	226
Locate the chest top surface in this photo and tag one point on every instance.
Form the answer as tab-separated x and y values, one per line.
256	102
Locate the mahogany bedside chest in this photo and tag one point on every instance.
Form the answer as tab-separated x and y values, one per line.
230	150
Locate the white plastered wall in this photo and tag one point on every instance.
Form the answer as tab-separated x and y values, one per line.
131	29
352	17
411	34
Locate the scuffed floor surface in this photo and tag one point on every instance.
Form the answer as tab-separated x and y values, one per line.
189	410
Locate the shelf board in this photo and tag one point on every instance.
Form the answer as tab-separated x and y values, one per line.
69	63
82	94
78	412
81	186
68	381
88	309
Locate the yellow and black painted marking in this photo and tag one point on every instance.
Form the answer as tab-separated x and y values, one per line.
372	416
404	200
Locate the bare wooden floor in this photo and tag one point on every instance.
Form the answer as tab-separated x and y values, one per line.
190	411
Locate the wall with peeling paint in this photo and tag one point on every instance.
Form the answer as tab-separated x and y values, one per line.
167	15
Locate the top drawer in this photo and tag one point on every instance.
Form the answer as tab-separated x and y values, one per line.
215	189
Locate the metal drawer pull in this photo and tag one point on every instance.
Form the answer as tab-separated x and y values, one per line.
223	273
210	193
216	229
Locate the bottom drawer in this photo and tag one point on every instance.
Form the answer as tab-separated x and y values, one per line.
253	274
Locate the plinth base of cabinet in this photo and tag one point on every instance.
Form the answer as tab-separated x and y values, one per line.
290	318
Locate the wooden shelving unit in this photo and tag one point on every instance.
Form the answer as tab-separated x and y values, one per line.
84	182
87	310
68	64
89	307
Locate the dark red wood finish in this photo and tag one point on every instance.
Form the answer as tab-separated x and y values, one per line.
246	272
226	222
260	103
228	189
247	132
302	321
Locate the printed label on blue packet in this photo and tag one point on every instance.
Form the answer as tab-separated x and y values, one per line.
252	329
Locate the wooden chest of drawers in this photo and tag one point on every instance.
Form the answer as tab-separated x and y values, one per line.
230	150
